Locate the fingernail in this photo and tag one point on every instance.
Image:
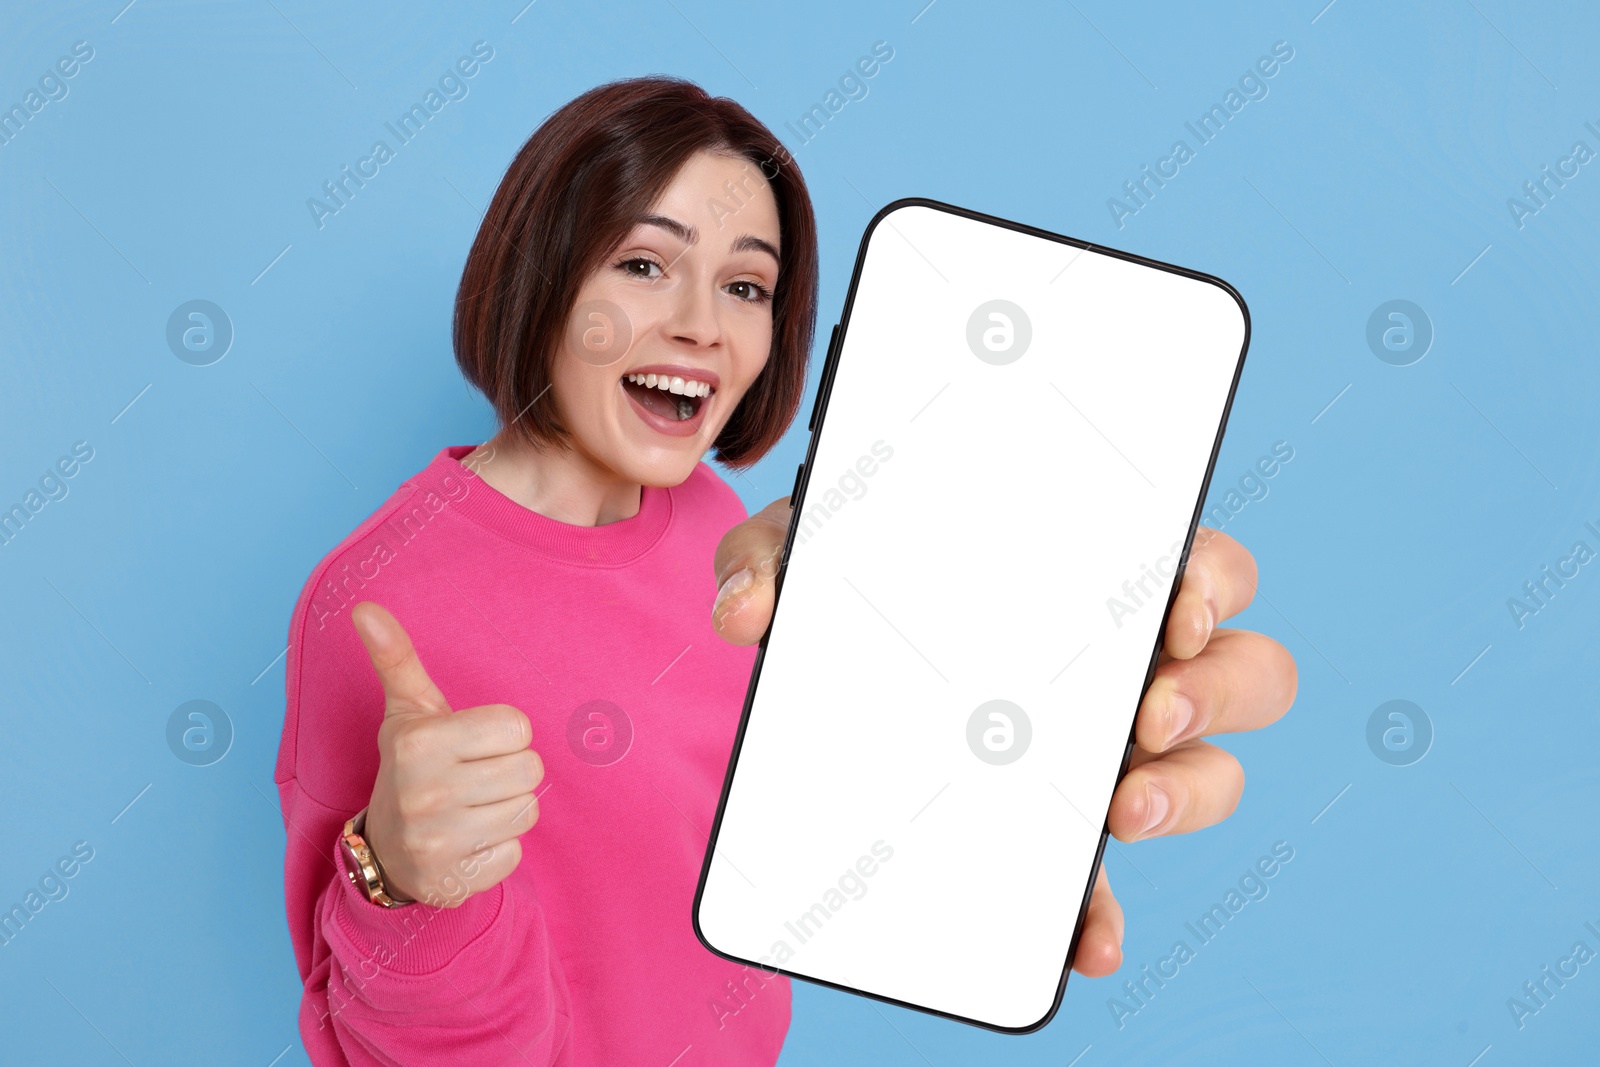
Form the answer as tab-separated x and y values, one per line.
731	593
1179	716
1211	616
1156	806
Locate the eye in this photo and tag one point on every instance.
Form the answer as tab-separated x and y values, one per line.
753	292
632	266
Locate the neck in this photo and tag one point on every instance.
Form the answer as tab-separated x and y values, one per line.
558	482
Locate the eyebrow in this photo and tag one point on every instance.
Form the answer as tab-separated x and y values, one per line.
689	235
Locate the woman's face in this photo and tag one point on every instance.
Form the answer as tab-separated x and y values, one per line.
668	334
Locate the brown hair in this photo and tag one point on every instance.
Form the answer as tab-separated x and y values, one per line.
574	190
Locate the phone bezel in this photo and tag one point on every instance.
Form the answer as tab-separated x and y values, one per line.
817	421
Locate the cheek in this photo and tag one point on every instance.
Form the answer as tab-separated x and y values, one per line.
581	393
754	349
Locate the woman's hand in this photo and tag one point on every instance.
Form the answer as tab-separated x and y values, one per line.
1208	681
454	789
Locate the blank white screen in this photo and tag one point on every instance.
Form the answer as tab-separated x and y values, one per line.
970	557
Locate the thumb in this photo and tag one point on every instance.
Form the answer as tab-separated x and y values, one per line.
746	564
406	686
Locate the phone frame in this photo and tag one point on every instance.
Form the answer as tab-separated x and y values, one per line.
817	420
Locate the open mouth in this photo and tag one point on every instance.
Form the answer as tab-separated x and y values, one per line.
668	396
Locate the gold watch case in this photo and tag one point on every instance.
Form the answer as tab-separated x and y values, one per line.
361	865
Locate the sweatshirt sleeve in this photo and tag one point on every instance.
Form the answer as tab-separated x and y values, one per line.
475	984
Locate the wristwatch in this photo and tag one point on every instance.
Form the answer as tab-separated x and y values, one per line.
361	863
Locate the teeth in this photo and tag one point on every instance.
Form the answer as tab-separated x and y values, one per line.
672	384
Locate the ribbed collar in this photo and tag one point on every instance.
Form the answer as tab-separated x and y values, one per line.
612	544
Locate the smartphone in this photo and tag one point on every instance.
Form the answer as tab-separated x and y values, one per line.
1011	445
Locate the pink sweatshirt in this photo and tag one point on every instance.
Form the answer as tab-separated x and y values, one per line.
586	954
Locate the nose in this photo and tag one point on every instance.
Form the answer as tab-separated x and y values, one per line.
694	318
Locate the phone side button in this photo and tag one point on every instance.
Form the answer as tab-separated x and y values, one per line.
795	492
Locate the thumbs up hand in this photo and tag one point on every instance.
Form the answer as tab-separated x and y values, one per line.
454	790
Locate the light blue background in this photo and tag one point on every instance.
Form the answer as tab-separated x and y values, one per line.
1378	167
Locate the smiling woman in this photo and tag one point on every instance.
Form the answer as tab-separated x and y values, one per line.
599	207
642	290
704	307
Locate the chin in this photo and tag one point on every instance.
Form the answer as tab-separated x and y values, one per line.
663	471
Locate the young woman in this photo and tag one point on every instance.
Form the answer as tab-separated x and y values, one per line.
642	289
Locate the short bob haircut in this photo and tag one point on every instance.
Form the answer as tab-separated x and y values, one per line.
573	192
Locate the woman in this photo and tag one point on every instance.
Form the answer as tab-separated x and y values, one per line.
642	288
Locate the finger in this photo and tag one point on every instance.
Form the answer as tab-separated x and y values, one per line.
1193	786
746	563
1242	681
503	820
1100	945
484	732
497	778
480	870
1218	583
406	685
